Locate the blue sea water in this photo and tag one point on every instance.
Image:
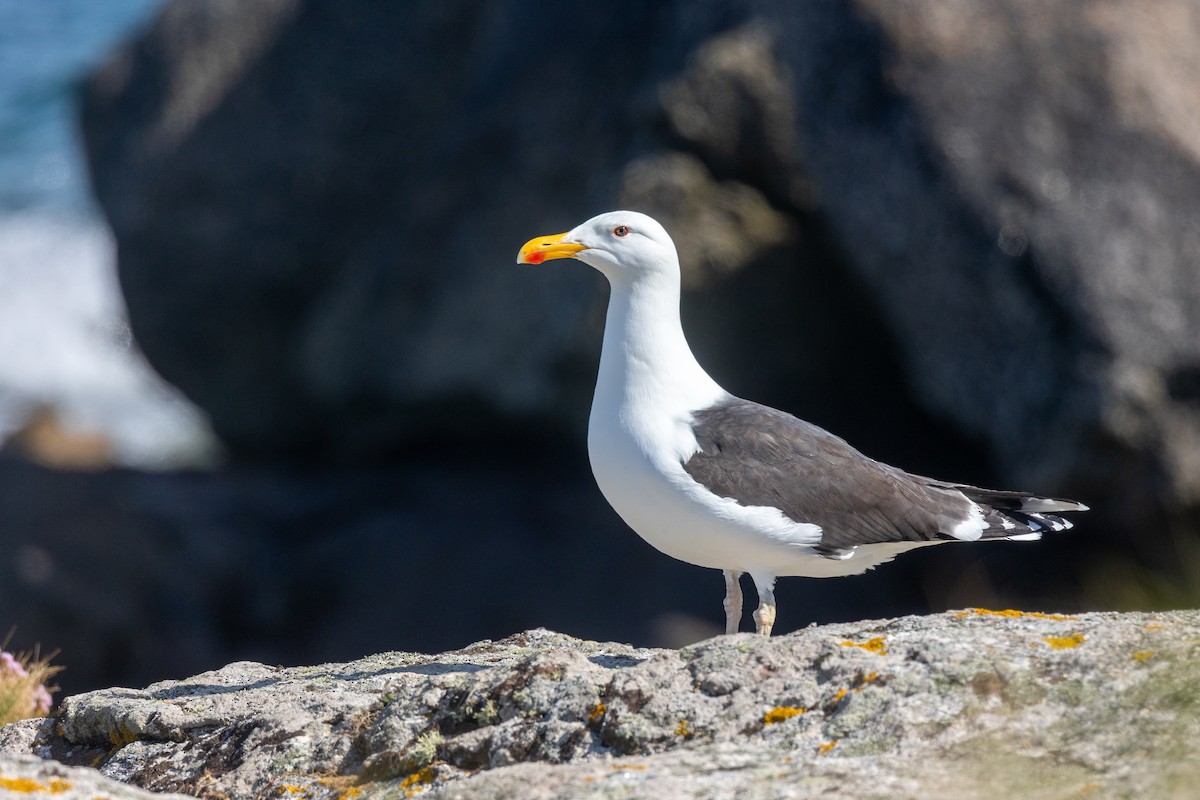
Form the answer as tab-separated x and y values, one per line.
46	46
64	342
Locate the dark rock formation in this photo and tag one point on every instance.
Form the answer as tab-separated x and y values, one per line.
337	277
1019	189
317	204
995	704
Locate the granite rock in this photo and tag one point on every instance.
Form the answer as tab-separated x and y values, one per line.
973	703
27	776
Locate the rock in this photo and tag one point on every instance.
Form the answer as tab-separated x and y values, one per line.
990	214
44	439
973	703
720	227
1025	223
30	776
18	737
377	301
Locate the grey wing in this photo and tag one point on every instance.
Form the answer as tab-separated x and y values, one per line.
759	456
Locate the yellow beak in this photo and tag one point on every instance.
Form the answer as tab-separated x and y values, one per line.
547	248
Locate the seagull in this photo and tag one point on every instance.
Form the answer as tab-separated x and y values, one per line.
726	483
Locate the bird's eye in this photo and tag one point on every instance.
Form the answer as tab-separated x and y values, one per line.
621	230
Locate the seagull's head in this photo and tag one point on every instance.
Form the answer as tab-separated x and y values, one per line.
624	245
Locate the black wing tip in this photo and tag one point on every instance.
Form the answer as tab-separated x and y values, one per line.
1023	526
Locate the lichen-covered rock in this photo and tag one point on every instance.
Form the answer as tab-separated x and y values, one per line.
27	776
963	704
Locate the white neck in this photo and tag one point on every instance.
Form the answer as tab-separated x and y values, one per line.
646	366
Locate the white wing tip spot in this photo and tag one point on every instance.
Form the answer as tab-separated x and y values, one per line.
971	528
1052	524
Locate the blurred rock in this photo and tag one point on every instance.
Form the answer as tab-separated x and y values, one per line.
44	439
316	246
318	228
336	280
720	227
733	103
1027	224
997	704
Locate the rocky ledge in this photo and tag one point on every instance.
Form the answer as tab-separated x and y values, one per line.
963	704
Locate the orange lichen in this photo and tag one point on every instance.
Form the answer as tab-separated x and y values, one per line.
1010	612
1065	642
860	682
20	785
865	679
781	713
825	747
29	786
596	713
876	645
682	729
121	735
1143	655
628	767
342	784
1155	627
417	782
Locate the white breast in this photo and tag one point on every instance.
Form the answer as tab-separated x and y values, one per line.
637	458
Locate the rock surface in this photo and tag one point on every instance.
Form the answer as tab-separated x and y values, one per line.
26	776
963	704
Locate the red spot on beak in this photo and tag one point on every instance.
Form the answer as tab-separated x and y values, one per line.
536	257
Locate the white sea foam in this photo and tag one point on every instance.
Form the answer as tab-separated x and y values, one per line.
65	343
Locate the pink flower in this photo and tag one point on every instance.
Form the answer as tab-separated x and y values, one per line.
42	700
10	664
